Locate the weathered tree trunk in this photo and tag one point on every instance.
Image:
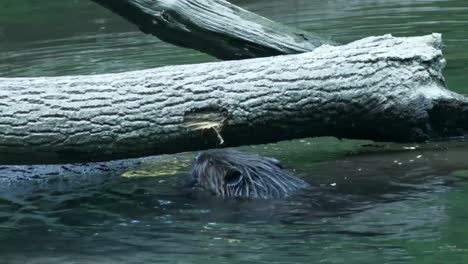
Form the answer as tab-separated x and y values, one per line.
215	27
381	88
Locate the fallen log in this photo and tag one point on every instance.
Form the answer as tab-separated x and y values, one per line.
381	88
215	27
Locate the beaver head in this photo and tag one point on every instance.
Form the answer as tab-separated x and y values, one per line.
229	173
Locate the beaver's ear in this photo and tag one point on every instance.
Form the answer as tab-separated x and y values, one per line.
276	162
233	177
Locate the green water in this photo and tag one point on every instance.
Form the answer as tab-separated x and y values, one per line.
369	203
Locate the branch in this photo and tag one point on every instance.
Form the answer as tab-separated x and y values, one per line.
215	27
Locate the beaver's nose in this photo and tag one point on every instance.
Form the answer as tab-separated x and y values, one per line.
193	183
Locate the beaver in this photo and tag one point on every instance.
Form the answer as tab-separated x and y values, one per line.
234	174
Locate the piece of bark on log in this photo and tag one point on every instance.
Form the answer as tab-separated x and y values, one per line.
381	88
215	27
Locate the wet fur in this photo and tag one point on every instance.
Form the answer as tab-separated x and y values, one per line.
230	173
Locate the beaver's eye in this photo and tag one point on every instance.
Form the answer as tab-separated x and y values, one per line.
233	177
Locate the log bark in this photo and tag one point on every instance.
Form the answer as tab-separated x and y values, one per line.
215	27
380	88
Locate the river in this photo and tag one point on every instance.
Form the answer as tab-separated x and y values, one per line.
369	203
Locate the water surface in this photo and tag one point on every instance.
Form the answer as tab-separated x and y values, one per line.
369	203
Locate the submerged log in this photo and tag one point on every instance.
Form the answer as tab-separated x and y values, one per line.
27	179
380	88
215	27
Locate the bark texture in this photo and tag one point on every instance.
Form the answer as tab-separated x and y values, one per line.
215	27
381	88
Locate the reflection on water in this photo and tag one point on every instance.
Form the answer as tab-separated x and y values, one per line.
390	204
